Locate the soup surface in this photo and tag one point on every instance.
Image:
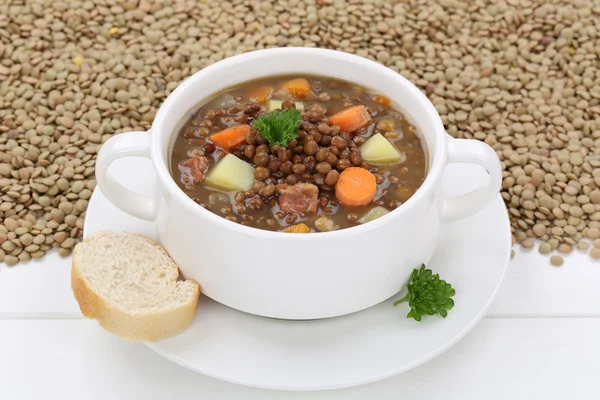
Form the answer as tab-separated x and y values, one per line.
298	154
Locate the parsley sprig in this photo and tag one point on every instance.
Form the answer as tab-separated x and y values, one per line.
279	127
427	294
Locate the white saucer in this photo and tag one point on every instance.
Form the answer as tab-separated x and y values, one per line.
338	352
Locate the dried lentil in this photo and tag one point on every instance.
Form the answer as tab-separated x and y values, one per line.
556	261
525	83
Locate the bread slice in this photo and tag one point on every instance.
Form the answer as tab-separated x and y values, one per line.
131	286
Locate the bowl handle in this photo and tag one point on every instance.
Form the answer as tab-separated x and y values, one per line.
129	144
472	152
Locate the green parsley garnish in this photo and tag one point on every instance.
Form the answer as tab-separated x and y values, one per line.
279	127
427	294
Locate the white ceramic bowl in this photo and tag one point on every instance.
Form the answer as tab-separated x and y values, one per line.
297	276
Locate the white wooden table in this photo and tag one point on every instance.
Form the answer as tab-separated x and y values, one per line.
540	340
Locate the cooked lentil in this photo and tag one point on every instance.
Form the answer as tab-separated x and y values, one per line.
321	151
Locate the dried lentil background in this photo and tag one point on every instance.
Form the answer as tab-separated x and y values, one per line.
524	76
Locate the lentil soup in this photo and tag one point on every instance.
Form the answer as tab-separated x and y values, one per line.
299	154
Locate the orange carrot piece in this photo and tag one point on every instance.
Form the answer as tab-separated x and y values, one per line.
351	118
260	94
231	137
381	99
297	87
356	187
298	228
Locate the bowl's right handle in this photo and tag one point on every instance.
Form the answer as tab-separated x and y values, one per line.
472	152
129	144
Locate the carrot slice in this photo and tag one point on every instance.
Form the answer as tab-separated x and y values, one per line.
356	187
381	99
297	87
260	94
298	228
231	137
351	118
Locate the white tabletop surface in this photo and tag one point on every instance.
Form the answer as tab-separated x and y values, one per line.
540	340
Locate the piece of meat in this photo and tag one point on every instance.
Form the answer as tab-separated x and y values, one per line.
194	169
300	198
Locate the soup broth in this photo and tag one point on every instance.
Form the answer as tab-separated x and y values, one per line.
299	154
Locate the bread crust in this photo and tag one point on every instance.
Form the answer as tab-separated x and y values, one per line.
145	326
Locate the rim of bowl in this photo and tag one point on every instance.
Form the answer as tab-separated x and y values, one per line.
436	164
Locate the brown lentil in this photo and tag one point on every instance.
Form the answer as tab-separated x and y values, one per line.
511	91
556	260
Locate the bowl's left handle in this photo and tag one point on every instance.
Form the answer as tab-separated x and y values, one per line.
129	144
472	152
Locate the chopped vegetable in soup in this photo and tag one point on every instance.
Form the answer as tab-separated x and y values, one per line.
299	154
